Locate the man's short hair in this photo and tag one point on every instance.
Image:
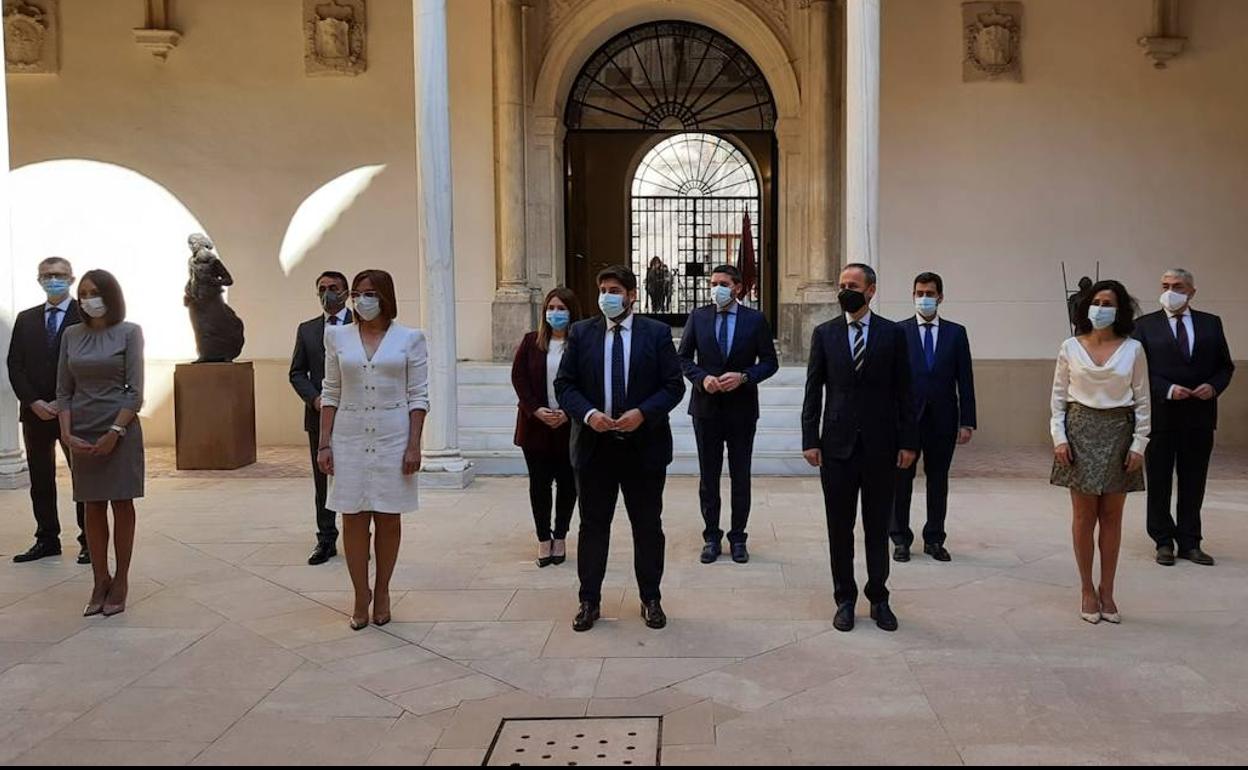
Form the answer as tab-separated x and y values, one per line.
55	261
866	269
1183	275
621	274
930	278
728	270
337	276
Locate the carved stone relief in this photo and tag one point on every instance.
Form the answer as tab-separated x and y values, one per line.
335	33
992	36
31	36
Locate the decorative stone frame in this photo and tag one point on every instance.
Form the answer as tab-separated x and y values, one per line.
335	37
32	32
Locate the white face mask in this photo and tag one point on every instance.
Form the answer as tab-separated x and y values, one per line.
1102	316
1173	301
94	307
368	308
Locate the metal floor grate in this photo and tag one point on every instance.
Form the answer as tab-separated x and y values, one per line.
627	741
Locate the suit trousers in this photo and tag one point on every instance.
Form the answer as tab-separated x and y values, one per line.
843	481
41	439
326	520
936	447
1186	452
616	466
737	434
547	470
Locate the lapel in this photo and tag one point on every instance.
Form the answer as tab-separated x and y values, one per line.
943	343
597	331
741	331
634	357
914	334
1200	331
1172	336
840	345
71	317
318	335
708	345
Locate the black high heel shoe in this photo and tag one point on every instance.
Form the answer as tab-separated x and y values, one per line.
548	559
558	551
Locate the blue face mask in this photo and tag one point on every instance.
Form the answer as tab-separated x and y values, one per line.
1102	317
926	306
558	319
722	295
611	305
55	287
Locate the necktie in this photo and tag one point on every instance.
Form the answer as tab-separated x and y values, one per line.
723	334
929	347
333	320
1180	331
859	346
617	372
52	327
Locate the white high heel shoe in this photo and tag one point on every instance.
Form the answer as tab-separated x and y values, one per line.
1111	617
1090	617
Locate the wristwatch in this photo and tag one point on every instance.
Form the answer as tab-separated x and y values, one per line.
120	431
745	377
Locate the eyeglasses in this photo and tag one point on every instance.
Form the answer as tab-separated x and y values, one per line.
368	294
51	276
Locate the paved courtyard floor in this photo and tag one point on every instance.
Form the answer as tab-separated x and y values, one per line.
233	650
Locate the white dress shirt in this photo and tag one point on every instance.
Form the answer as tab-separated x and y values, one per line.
341	315
866	330
935	322
1191	337
1122	381
554	356
62	306
626	336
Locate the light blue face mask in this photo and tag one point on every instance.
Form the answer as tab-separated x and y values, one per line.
926	306
611	305
1102	317
368	308
558	319
722	295
55	288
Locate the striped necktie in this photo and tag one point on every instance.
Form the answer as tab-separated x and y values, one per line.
860	346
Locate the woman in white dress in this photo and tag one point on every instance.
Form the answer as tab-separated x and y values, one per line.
373	406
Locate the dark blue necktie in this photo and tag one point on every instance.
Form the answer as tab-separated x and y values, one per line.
333	320
617	372
929	347
723	334
52	326
1180	332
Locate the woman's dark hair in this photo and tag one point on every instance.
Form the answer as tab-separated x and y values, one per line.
383	284
110	291
621	275
568	298
1124	321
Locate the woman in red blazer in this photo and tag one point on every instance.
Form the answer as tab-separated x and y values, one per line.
541	426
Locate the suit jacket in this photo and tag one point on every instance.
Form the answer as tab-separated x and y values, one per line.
31	363
841	405
1211	363
654	386
528	377
307	367
947	390
751	351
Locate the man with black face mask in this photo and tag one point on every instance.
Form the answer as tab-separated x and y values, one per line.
307	371
858	428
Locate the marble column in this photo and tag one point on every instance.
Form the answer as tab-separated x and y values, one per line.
862	131
512	308
444	465
12	467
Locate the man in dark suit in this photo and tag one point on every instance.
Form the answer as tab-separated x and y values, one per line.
725	351
1189	365
618	382
307	371
944	402
858	428
33	356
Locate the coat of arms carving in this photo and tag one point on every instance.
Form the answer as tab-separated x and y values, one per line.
992	35
30	36
335	33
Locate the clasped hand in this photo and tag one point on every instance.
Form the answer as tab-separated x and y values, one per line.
552	418
627	422
103	446
724	383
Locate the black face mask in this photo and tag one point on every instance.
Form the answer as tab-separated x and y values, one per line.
851	301
332	301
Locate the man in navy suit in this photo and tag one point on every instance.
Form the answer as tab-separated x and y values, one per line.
1189	366
307	371
944	402
858	428
726	351
33	356
618	382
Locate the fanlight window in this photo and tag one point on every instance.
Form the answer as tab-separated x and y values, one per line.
693	165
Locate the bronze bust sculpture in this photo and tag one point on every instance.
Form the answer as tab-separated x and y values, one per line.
218	330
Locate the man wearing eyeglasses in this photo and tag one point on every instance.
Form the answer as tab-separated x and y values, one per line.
307	371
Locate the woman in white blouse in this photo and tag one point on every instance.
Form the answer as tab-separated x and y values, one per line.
373	406
1100	425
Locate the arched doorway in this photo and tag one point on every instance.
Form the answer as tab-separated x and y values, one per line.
670	159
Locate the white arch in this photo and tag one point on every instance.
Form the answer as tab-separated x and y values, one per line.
597	21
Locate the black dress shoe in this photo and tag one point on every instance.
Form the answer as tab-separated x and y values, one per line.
901	553
937	551
844	620
38	551
653	614
740	554
1165	556
883	616
84	556
1197	556
322	553
711	551
585	617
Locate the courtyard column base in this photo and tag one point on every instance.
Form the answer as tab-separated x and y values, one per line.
13	473
446	470
799	319
513	315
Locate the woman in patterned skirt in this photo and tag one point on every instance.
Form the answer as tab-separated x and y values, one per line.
1100	423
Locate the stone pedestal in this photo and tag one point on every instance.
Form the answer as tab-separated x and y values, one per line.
514	315
214	408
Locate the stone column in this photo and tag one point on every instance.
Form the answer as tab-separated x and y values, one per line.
12	468
862	131
444	465
513	307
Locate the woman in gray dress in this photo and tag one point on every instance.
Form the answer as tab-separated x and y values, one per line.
99	392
